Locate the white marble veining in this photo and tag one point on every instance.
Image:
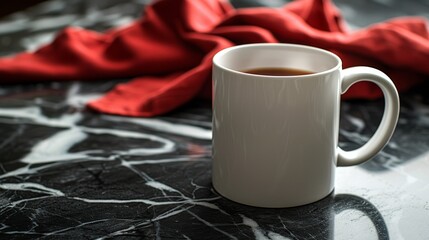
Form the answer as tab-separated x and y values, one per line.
32	187
163	126
259	233
55	151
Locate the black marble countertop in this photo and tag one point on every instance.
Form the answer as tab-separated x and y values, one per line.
69	173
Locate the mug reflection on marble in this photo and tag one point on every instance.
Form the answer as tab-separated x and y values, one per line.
312	221
275	138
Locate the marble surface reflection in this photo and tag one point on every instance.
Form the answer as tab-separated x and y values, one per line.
69	173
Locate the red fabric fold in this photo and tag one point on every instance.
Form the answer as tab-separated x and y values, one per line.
168	52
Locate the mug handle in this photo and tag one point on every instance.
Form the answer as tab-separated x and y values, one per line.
388	122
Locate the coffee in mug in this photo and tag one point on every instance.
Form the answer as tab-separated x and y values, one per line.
277	71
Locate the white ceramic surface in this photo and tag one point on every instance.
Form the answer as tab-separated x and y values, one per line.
275	137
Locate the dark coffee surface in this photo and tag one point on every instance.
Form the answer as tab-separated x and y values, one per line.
277	71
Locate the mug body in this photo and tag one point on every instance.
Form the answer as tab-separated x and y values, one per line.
275	137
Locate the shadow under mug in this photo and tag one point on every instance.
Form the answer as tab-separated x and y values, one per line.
275	138
319	220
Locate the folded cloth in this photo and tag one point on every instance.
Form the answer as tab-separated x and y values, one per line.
169	50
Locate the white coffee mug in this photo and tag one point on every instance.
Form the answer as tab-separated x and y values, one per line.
275	138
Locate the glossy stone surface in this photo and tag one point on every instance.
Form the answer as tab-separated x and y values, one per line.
68	173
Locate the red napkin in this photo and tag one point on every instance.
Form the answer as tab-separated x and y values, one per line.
169	51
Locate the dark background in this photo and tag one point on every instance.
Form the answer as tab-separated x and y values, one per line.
7	7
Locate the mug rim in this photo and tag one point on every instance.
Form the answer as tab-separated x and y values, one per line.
218	55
